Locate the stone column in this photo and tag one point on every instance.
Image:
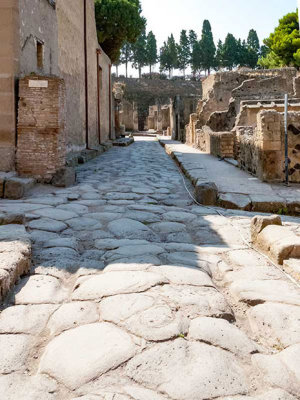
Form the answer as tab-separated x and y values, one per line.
159	118
9	68
135	116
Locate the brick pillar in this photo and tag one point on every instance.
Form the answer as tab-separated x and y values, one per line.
9	67
41	127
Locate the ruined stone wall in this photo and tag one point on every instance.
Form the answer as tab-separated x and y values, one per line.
41	138
261	149
9	67
38	24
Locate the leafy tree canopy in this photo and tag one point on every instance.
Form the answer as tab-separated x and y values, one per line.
139	57
169	55
284	43
118	21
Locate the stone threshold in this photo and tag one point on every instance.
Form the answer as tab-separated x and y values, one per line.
196	173
123	142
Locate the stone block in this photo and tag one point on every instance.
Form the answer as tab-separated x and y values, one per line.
258	223
206	193
16	188
279	242
235	201
292	267
64	177
265	203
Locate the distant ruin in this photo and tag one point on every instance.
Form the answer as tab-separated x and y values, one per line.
157	104
240	116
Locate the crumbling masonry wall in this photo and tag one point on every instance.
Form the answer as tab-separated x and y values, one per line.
41	123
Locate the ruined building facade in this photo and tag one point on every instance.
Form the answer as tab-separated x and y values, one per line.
157	105
240	116
55	85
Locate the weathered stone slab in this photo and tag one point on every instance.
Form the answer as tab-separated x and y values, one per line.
55	213
257	292
196	301
235	201
206	193
15	188
14	350
71	315
281	370
130	229
84	353
259	222
280	242
292	267
25	319
184	275
46	224
112	283
38	289
188	371
221	333
277	325
25	387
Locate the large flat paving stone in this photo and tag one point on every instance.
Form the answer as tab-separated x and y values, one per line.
47	224
259	291
196	301
184	275
39	289
118	282
85	353
281	370
276	394
118	309
275	324
221	333
71	315
14	350
30	319
25	387
55	213
188	371
158	323
130	229
84	224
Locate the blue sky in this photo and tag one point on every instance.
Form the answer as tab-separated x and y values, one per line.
235	16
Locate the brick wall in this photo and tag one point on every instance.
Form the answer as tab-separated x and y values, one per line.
222	144
41	145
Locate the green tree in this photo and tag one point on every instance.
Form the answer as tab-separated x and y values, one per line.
126	55
219	62
253	49
230	52
284	43
169	56
184	54
118	21
196	58
139	54
151	50
208	47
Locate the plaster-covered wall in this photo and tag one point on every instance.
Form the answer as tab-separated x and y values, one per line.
38	23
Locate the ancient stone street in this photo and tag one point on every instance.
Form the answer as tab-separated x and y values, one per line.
137	293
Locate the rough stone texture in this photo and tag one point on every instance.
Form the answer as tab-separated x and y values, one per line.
15	256
275	324
206	193
14	350
282	369
292	267
258	223
112	283
219	332
64	177
163	366
16	188
82	354
279	242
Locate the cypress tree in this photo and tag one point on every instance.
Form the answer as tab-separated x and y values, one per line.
183	52
208	47
151	50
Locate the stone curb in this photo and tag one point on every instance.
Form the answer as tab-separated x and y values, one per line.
15	256
124	142
234	201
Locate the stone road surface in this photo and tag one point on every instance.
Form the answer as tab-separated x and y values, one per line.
137	294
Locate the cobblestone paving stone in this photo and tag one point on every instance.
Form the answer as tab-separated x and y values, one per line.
136	293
